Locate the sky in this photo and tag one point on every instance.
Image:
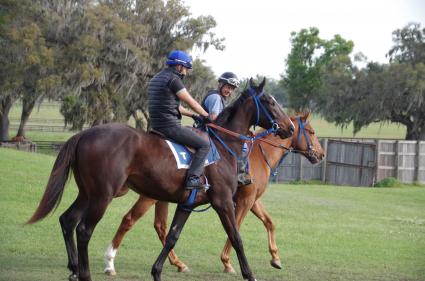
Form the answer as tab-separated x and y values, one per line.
257	33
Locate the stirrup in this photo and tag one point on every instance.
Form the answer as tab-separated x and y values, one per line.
200	185
243	180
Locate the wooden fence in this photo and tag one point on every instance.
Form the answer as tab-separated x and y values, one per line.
359	163
348	162
24	146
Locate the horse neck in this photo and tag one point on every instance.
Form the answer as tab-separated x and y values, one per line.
274	154
240	124
294	139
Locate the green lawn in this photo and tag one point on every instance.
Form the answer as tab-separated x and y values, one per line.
50	111
323	232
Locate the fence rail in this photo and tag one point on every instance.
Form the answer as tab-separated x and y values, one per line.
359	163
43	128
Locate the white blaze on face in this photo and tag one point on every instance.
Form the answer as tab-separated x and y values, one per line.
278	104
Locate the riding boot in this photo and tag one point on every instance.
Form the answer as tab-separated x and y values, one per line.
244	178
195	182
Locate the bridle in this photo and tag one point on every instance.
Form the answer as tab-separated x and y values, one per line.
260	109
302	132
210	127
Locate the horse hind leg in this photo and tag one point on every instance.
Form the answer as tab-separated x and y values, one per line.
94	212
139	209
259	210
68	221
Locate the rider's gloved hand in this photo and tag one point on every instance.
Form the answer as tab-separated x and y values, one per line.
198	119
206	119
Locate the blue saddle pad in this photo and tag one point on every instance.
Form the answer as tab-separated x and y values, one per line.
183	156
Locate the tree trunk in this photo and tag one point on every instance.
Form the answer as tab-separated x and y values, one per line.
27	107
415	132
140	123
5	106
148	119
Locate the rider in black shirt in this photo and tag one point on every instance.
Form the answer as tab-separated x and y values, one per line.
165	91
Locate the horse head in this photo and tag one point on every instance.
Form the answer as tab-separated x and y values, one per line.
304	140
268	114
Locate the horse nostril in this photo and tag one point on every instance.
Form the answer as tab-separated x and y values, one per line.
292	128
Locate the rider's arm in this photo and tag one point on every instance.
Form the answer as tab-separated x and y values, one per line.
214	105
184	96
184	111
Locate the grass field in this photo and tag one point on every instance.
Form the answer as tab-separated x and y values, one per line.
49	111
323	233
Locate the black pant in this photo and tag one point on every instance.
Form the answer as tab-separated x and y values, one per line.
187	137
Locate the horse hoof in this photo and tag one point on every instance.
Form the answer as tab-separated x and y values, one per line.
73	277
183	269
276	264
229	270
110	272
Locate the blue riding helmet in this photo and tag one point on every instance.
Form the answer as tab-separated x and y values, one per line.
178	57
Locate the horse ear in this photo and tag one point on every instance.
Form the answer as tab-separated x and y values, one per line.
305	114
260	88
251	82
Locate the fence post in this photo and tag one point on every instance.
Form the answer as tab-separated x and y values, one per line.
301	167
325	148
418	160
377	157
396	172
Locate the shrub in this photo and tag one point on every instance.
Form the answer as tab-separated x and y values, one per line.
388	182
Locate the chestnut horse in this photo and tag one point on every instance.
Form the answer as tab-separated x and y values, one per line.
264	157
107	157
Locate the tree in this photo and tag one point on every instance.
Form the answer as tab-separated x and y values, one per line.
309	53
20	52
409	46
392	92
119	46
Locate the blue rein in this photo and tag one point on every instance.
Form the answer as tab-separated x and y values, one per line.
259	107
302	131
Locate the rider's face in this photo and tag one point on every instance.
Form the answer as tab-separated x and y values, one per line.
227	90
182	70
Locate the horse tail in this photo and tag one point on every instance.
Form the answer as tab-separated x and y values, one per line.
58	178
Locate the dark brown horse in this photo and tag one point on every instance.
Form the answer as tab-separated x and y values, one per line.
106	158
264	157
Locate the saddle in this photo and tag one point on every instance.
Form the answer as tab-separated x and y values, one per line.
199	132
183	154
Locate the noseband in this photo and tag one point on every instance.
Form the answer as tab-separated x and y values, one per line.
308	153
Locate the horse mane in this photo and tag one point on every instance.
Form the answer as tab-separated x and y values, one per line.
304	115
229	111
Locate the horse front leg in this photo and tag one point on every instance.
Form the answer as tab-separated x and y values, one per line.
179	220
259	210
242	207
140	208
160	224
226	213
